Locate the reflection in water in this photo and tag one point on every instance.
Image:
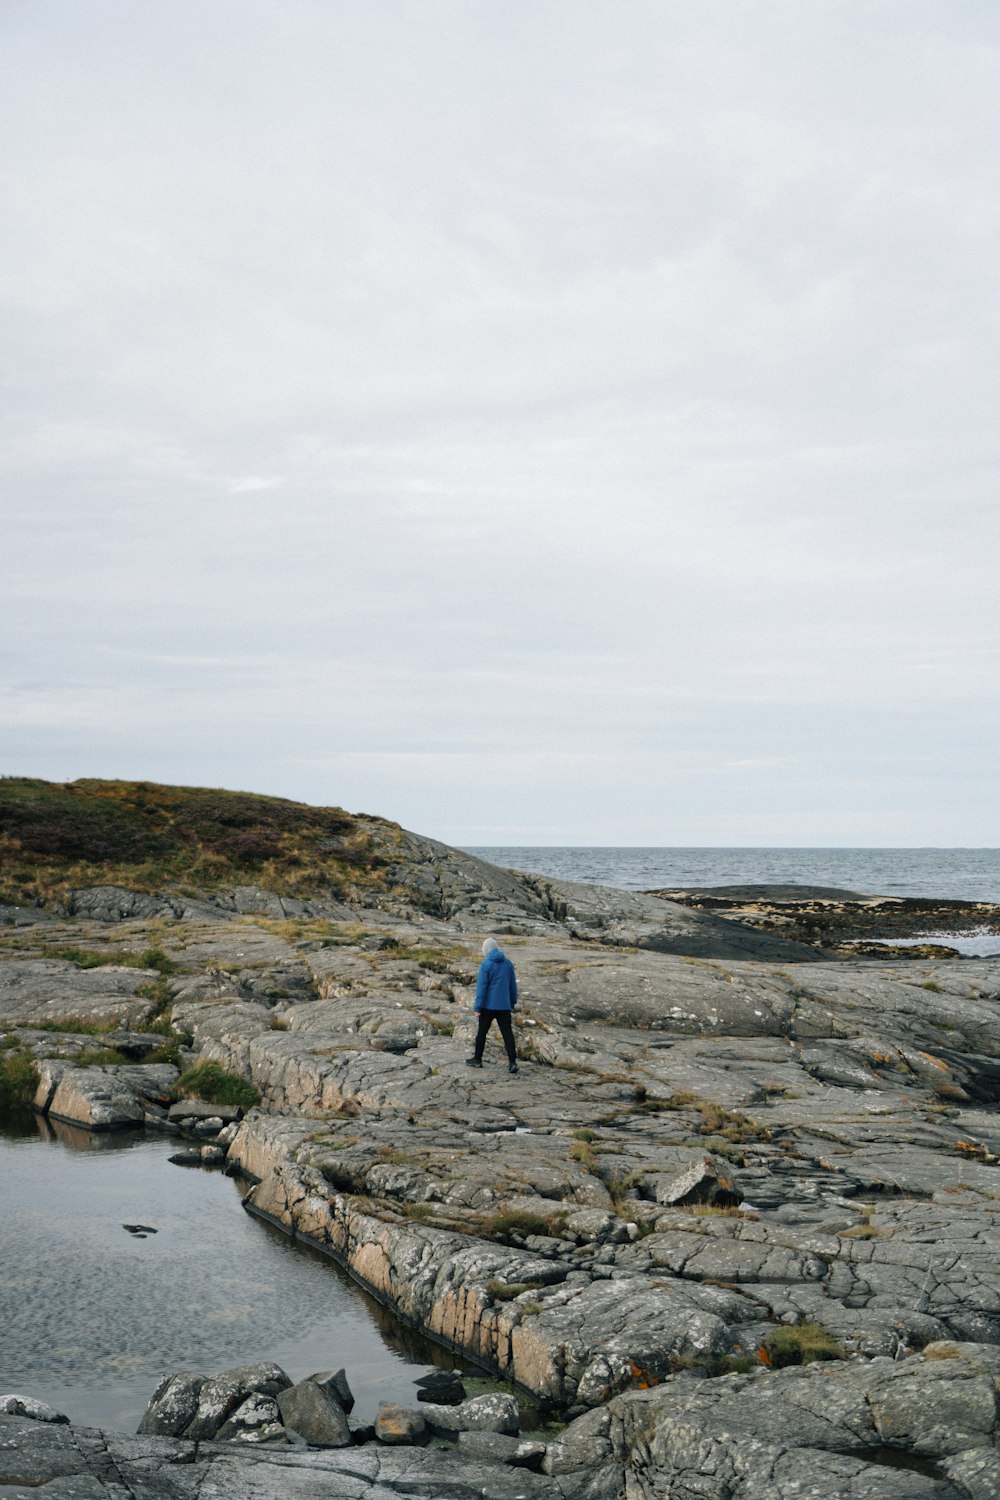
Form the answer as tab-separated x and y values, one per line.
93	1314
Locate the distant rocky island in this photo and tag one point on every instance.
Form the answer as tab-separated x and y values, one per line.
734	1222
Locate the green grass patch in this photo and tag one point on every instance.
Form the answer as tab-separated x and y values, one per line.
98	1057
169	1051
100	958
206	1080
18	1077
803	1344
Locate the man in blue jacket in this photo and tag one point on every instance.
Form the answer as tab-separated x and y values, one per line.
496	999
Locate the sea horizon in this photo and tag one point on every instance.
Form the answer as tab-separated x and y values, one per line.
946	872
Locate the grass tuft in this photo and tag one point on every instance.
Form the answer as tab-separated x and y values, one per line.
802	1344
18	1077
206	1080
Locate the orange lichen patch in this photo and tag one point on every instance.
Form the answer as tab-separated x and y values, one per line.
973	1148
935	1062
764	1355
644	1380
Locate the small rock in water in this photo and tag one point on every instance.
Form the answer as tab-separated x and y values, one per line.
442	1386
141	1230
27	1406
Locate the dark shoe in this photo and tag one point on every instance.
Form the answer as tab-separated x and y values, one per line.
513	1068
473	1062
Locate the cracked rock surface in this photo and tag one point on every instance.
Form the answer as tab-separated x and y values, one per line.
717	1143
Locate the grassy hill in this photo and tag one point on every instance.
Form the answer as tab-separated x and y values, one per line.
59	836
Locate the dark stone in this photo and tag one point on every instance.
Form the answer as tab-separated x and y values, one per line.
310	1410
442	1386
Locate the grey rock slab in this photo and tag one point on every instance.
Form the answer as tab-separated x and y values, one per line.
313	1412
847	1419
494	1412
498	1448
54	991
97	1099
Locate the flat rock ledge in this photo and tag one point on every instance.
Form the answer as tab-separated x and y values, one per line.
923	1428
716	1139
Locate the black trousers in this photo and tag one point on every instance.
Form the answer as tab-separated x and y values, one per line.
506	1024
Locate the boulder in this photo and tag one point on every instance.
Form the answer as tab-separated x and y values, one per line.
311	1411
335	1382
496	1412
172	1405
251	1418
221	1395
399	1425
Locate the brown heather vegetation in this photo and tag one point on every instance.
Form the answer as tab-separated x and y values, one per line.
59	836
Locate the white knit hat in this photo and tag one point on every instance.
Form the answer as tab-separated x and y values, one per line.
489	945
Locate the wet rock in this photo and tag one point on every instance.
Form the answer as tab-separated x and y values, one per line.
311	1410
442	1386
399	1425
189	1158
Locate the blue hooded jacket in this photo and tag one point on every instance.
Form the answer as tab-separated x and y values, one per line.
496	987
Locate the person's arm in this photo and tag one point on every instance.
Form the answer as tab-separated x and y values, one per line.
480	988
513	986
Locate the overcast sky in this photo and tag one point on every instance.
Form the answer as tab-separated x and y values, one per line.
536	421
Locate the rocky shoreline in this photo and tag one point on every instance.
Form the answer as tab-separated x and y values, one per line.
845	923
735	1220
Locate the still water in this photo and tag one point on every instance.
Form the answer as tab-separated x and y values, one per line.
957	874
91	1316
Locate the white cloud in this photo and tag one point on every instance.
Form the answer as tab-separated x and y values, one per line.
439	396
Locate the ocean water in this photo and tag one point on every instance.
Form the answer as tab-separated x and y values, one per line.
957	874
